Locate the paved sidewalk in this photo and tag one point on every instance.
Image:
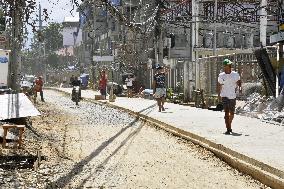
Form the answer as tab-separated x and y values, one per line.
253	138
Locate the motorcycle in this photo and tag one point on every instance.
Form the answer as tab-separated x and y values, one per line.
76	94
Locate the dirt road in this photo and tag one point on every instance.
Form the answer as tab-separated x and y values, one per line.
91	146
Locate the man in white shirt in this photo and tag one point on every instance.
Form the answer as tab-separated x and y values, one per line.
228	82
129	85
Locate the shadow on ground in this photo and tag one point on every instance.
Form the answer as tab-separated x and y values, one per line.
78	167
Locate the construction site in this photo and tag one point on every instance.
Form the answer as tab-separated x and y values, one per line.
191	38
81	108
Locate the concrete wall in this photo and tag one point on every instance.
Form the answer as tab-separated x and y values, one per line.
68	37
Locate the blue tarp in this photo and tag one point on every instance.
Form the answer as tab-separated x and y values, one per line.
148	91
115	2
84	79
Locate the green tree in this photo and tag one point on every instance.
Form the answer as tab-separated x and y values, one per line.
52	37
53	60
29	62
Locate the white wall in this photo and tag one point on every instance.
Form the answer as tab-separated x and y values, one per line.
68	38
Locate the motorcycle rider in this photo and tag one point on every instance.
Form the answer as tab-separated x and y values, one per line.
76	82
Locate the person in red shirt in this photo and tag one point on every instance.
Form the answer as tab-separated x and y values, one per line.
38	87
103	84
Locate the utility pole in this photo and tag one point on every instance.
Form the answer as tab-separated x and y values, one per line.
215	29
160	46
186	83
188	64
39	17
92	47
41	48
280	46
263	22
214	47
16	46
195	14
158	42
159	37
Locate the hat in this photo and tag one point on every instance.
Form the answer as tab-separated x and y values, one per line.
227	62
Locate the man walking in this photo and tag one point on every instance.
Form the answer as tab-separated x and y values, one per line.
228	82
159	88
129	85
103	84
38	87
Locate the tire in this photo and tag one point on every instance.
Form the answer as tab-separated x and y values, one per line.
77	98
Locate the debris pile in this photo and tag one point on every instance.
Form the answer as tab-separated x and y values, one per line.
267	109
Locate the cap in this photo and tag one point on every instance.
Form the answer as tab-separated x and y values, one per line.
227	62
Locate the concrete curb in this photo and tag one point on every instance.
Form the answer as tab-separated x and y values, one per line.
266	174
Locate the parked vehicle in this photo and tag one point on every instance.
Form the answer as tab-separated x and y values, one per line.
27	81
117	89
84	80
4	68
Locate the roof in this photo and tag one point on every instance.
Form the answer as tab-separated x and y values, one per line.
71	19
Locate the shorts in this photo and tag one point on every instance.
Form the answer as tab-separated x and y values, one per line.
160	92
129	87
229	104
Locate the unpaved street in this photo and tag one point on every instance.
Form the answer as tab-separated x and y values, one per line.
91	146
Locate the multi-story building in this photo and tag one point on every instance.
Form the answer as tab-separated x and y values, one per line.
69	32
104	35
188	25
71	37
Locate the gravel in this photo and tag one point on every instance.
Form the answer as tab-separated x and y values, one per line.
92	146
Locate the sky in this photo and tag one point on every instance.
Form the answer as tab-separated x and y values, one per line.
57	10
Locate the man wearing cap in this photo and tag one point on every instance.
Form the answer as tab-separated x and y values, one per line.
228	82
159	87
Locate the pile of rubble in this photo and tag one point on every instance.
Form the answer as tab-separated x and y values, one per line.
267	109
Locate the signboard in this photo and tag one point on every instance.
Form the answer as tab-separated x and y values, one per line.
103	58
277	37
4	66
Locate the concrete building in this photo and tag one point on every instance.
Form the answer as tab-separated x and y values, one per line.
71	36
104	35
239	29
